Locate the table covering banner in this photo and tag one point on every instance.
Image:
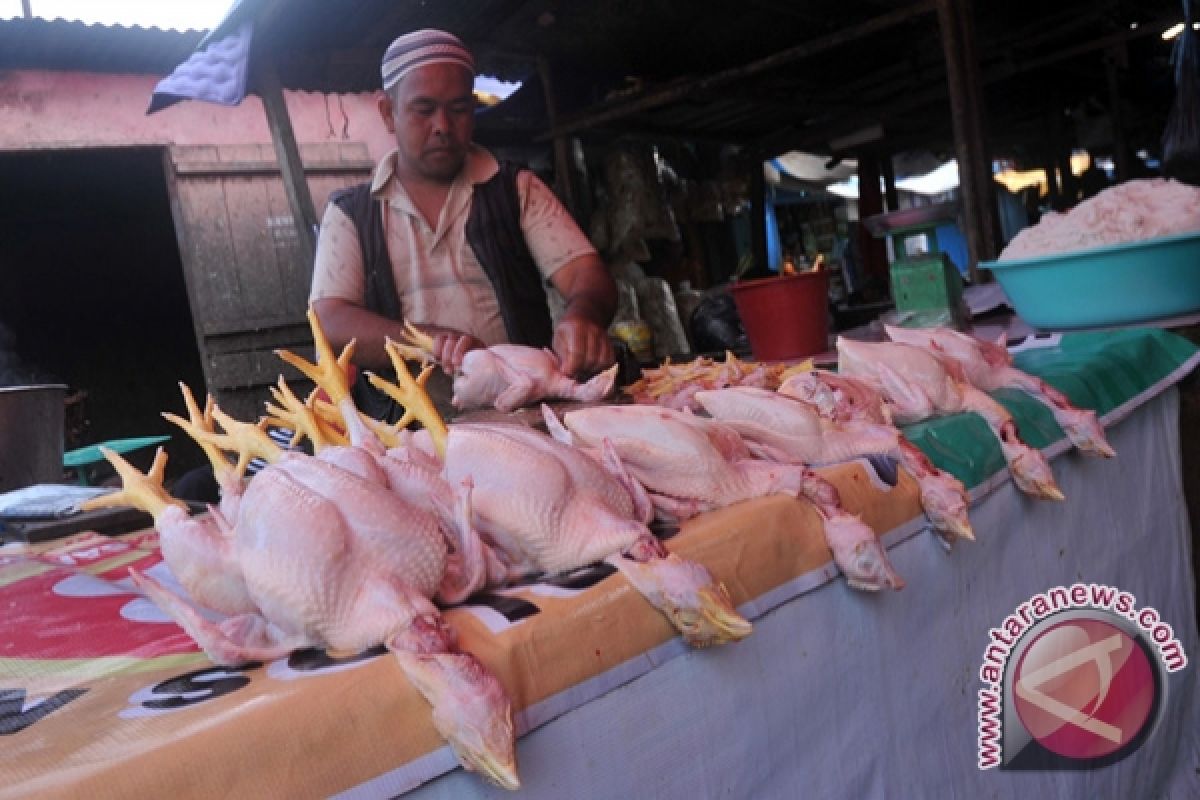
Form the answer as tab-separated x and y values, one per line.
101	695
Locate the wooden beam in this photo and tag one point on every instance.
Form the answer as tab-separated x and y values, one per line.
304	215
678	90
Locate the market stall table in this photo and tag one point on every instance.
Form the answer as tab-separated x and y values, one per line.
836	693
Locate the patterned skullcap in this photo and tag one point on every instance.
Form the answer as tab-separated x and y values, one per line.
419	48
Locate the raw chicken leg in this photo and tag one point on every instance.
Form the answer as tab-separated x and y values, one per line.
917	386
989	367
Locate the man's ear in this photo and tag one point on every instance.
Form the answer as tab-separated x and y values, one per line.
386	110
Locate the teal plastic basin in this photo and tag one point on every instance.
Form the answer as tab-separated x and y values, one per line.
1116	285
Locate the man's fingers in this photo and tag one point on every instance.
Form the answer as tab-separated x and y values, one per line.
568	351
582	348
461	347
602	356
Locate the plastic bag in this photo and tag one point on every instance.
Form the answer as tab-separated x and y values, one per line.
657	306
716	326
1181	139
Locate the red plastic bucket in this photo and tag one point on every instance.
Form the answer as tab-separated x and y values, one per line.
785	317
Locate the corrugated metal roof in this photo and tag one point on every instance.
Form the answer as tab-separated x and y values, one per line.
67	45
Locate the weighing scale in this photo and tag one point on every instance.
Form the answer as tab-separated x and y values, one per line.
926	286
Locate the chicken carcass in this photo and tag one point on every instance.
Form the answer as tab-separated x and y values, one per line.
690	465
560	510
330	559
988	366
510	376
843	400
918	385
779	428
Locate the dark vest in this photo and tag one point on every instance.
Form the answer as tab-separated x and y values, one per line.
494	234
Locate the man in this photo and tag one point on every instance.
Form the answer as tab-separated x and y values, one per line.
450	240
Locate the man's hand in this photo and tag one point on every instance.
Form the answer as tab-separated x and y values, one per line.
449	347
582	346
581	336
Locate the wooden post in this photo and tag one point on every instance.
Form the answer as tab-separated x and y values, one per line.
287	152
758	214
562	155
872	251
966	110
888	167
26	11
988	210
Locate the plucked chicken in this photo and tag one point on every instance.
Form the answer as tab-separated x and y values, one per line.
329	559
322	553
779	428
843	400
509	376
561	510
988	366
917	386
691	465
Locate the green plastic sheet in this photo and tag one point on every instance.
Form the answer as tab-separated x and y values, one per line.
1096	370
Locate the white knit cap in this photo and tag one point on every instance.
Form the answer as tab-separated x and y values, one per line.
416	49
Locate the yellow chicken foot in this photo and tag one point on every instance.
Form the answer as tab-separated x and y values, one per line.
200	426
247	440
143	492
303	418
329	371
410	393
330	375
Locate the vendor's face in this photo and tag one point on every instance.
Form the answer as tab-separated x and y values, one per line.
431	111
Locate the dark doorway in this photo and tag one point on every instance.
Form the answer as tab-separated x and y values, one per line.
92	291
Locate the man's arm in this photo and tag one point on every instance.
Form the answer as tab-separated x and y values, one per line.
581	336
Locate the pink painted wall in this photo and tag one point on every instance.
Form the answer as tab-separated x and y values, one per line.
55	110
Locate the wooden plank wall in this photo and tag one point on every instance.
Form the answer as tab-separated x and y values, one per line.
247	280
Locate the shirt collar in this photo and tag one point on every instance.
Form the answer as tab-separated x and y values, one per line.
479	167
